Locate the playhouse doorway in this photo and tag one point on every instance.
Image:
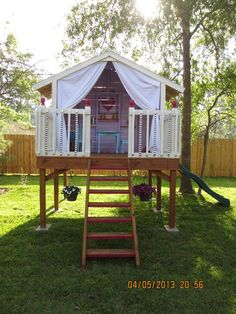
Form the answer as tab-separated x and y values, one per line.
109	114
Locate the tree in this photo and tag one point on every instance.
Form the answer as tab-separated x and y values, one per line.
16	75
105	24
204	21
214	103
3	142
16	79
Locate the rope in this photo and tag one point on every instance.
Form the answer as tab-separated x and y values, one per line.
169	139
46	131
155	135
140	134
61	133
76	132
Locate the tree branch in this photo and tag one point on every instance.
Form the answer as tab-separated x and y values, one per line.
217	98
201	22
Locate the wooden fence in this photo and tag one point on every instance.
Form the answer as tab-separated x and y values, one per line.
221	160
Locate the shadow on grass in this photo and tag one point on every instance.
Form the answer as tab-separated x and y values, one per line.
41	271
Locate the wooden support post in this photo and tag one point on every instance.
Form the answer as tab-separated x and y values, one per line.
65	179
172	199
150	177
42	195
158	196
56	186
42	198
172	227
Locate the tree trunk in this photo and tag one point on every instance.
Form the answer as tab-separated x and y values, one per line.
186	185
205	145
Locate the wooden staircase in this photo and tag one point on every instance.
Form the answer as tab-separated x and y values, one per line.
89	220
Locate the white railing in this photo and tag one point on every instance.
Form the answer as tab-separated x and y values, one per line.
154	133
62	132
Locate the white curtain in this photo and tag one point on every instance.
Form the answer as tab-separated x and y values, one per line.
145	91
72	89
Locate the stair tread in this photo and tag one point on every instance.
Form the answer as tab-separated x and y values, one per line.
105	178
110	253
131	235
109	235
108	191
109	204
109	219
108	168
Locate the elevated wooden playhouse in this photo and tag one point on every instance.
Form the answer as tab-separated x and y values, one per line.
108	113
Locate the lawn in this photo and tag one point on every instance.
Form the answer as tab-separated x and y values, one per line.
40	272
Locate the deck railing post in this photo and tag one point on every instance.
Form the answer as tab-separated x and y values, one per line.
175	131
38	130
61	133
180	131
68	132
162	133
42	133
147	134
54	131
162	108
87	130
175	128
131	131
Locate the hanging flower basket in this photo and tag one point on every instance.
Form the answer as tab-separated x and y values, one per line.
70	192
144	191
144	198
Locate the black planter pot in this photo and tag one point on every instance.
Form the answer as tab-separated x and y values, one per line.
71	197
144	198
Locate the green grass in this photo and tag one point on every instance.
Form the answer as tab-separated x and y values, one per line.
40	272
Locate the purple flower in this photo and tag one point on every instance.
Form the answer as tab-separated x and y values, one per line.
143	189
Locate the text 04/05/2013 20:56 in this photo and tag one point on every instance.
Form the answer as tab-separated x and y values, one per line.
165	284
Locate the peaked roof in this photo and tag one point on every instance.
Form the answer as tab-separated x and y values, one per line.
45	86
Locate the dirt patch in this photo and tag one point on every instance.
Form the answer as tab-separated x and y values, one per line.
3	190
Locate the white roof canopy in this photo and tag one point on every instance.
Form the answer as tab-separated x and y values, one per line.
45	86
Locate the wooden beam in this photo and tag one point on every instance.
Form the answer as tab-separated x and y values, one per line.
101	160
42	197
161	175
65	163
55	172
65	178
172	199
154	163
50	176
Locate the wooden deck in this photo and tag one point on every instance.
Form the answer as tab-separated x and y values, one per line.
107	161
154	166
